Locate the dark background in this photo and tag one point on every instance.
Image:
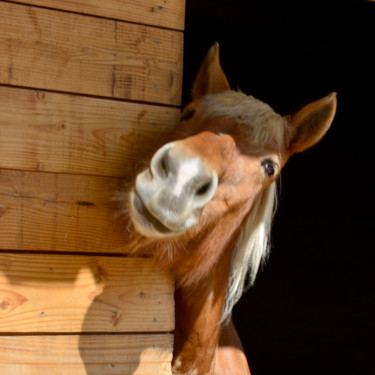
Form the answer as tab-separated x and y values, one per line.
312	309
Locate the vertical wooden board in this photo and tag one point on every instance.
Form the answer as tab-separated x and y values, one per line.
87	355
70	293
77	134
61	51
162	13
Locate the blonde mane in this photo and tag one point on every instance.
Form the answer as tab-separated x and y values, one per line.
252	248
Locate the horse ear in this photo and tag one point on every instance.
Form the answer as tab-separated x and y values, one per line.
211	78
309	124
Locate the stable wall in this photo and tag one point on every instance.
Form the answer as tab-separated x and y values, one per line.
85	88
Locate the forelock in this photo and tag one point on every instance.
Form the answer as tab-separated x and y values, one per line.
266	125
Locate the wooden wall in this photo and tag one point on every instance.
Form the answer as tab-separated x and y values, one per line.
85	87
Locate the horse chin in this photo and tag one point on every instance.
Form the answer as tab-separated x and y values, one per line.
145	223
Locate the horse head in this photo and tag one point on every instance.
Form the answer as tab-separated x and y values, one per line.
205	204
228	149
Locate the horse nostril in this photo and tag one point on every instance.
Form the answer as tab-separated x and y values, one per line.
163	165
161	162
203	189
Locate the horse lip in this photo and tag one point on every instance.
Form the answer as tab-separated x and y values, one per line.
150	218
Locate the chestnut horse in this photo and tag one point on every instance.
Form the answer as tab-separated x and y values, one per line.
204	206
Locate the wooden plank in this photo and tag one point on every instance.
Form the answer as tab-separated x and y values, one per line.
162	13
82	355
70	293
77	134
57	212
61	51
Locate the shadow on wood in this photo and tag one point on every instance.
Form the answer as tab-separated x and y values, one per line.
92	312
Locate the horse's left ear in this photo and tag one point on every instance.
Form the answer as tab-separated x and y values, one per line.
211	78
308	125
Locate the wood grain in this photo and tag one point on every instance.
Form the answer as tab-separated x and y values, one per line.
169	14
62	51
55	132
57	212
67	293
87	355
66	149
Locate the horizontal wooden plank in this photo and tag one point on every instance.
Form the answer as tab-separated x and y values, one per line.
62	51
45	211
169	14
70	293
55	132
82	355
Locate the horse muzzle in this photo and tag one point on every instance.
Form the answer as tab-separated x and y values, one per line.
169	197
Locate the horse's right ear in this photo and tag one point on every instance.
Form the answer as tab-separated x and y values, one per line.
211	78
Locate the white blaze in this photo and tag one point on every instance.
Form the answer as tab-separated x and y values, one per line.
186	172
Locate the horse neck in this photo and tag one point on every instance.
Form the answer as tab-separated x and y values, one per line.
201	268
198	313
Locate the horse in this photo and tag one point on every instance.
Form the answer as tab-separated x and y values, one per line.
204	203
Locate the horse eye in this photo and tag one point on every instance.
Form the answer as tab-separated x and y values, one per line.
269	167
187	114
